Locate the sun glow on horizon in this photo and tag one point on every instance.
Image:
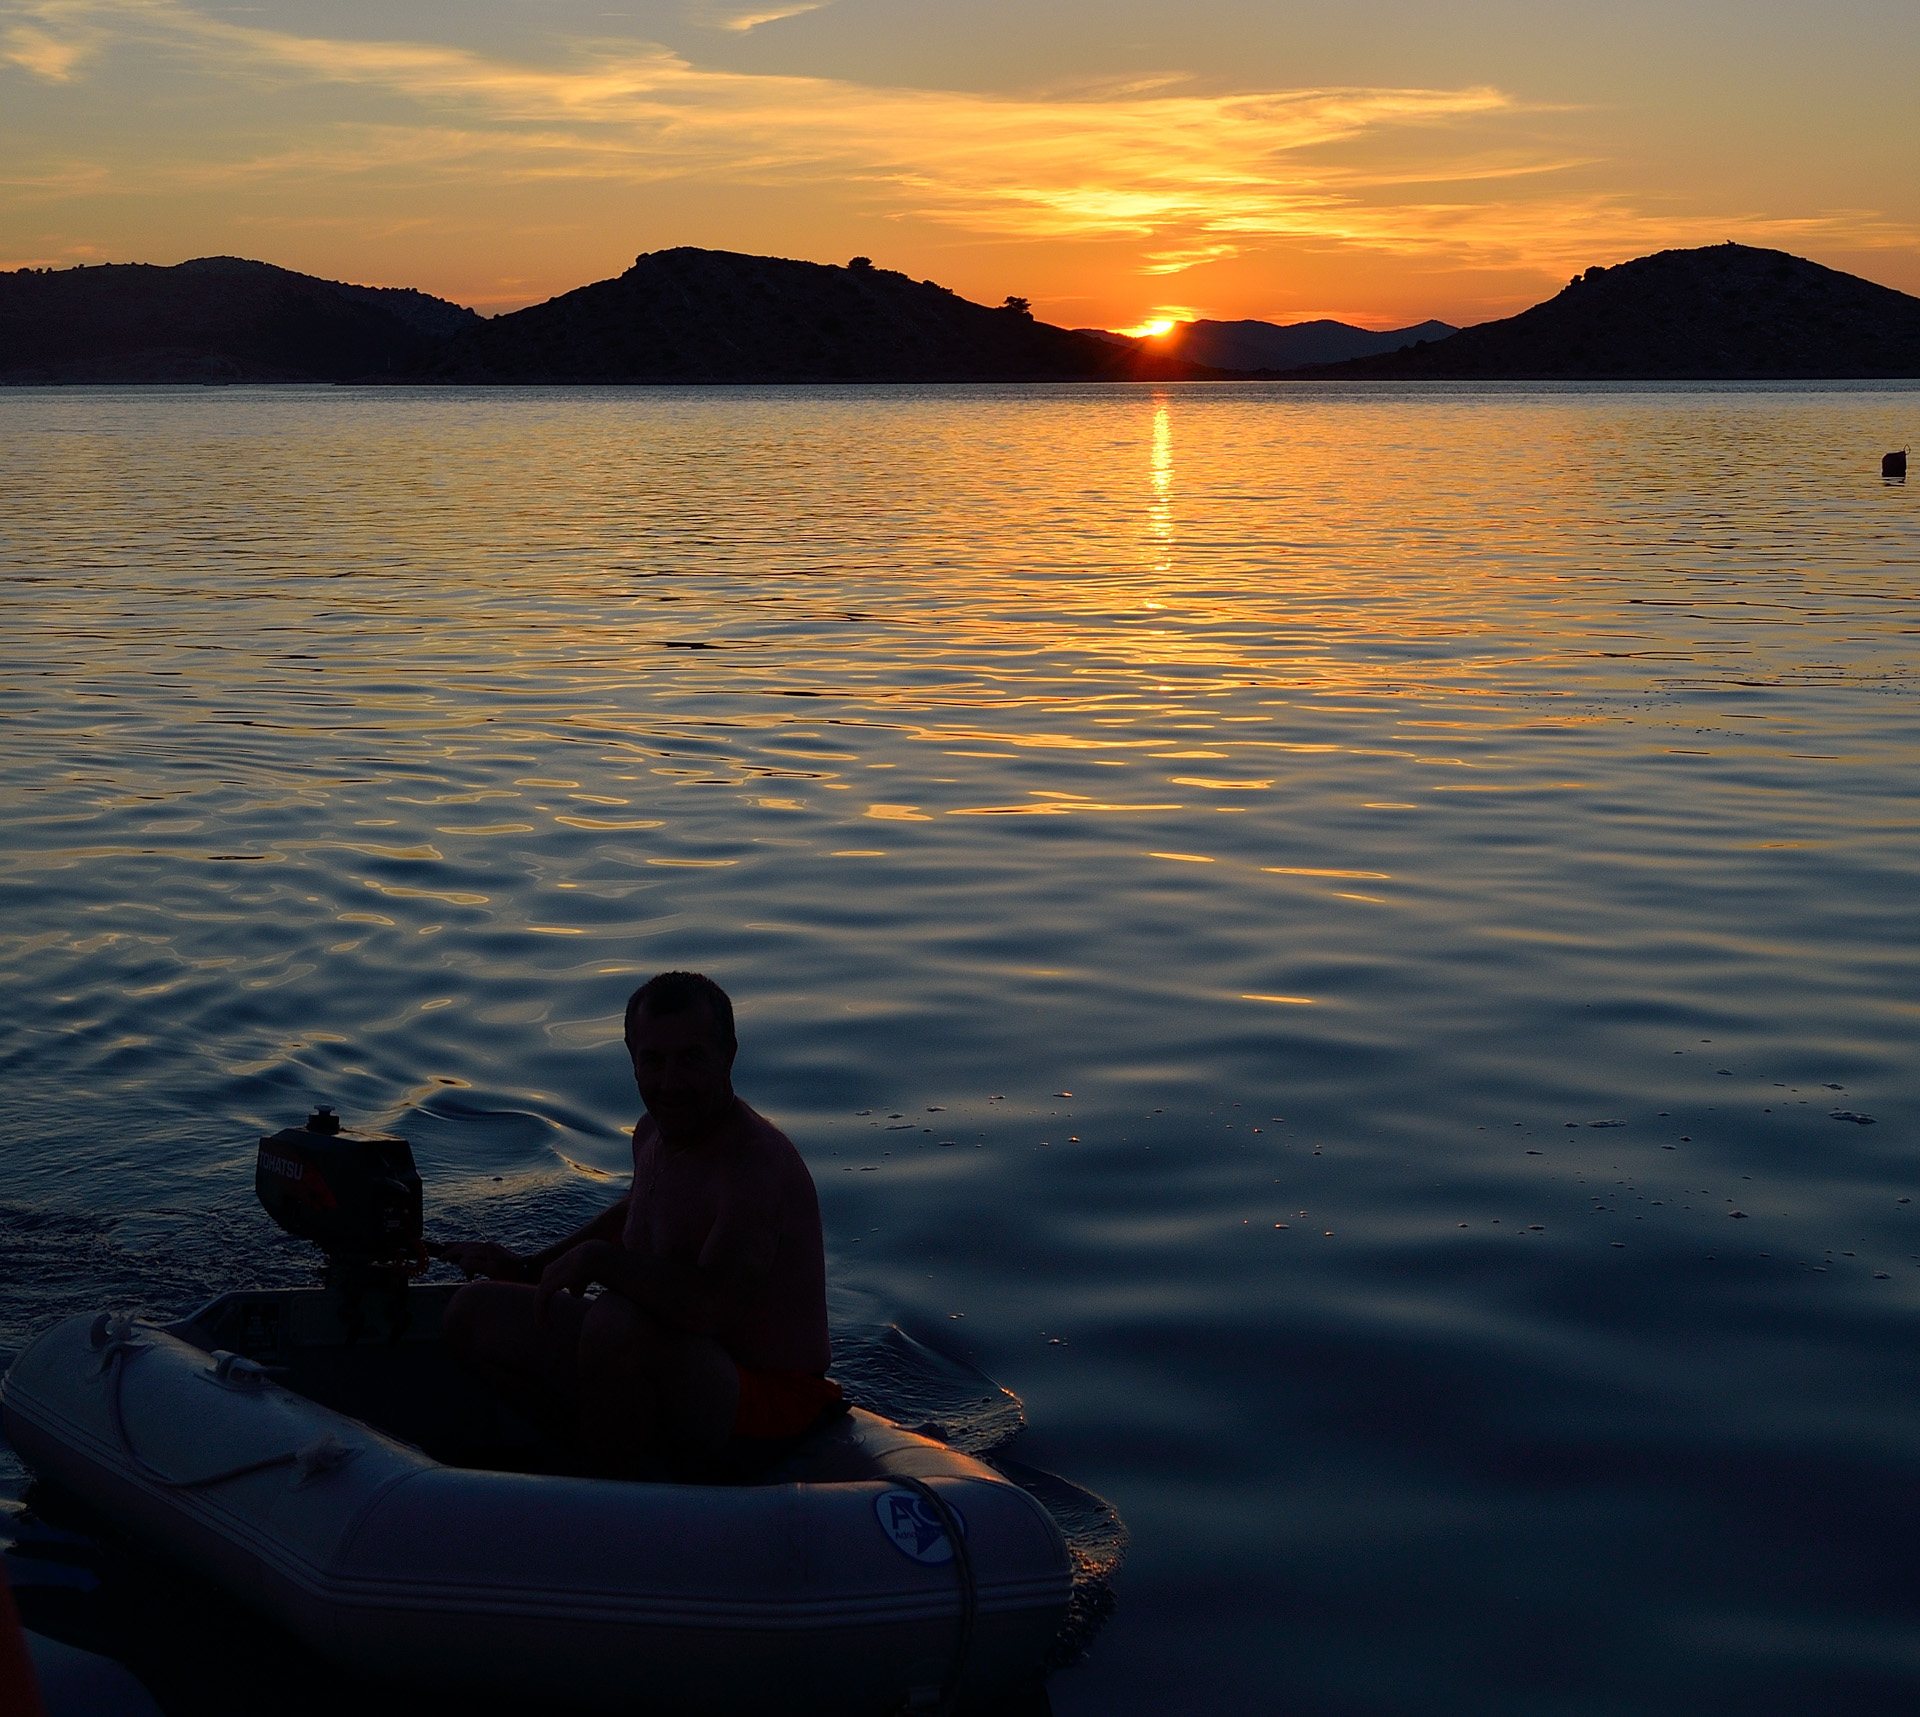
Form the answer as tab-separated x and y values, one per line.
1152	328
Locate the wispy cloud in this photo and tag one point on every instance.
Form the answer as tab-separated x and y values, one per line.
751	18
1189	256
50	55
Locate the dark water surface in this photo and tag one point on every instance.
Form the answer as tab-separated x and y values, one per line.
1318	937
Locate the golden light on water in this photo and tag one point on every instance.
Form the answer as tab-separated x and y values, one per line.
1160	475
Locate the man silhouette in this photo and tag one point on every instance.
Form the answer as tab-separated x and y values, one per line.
708	1341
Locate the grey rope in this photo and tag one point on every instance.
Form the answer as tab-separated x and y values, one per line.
117	1344
963	1568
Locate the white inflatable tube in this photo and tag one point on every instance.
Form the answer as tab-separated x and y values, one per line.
833	1587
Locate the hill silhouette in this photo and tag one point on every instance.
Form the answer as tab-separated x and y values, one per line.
1256	348
217	318
689	315
1727	312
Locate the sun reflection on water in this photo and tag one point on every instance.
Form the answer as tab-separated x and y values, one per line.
1160	472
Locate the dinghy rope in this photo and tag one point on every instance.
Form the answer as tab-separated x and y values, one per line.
117	1341
963	1568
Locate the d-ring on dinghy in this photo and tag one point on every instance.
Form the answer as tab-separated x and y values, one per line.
317	1453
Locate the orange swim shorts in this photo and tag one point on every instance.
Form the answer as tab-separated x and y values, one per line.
780	1403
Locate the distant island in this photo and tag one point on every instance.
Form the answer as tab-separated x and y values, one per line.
216	319
1728	312
1274	348
1725	312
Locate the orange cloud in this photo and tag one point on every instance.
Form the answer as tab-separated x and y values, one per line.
49	55
753	18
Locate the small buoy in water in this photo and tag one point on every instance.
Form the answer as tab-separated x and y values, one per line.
1894	464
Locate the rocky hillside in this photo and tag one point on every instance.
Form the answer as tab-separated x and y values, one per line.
1728	312
719	316
219	318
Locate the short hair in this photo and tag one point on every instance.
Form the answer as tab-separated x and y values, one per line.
668	993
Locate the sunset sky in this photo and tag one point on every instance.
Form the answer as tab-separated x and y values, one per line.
1112	162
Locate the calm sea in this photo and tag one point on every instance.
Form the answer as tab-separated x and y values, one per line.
1356	949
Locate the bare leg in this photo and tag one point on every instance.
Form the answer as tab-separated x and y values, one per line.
534	1367
639	1394
649	1394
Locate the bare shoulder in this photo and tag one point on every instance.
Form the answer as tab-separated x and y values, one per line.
760	1140
765	1157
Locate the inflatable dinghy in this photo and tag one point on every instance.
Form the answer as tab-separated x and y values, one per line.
345	1478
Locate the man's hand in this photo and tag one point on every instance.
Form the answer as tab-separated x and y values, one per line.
484	1258
572	1273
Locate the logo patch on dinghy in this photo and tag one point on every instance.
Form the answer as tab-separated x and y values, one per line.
914	1526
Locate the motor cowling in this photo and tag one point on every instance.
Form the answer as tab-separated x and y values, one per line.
358	1199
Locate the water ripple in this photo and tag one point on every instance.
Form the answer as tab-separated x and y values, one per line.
1352	796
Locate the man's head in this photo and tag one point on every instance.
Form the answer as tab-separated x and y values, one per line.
680	1037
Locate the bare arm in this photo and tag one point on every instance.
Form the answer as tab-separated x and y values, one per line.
690	1297
607	1227
489	1258
696	1294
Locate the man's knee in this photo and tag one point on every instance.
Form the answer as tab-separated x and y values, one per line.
457	1322
616	1336
471	1315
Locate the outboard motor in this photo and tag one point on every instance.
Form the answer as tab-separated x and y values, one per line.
358	1200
